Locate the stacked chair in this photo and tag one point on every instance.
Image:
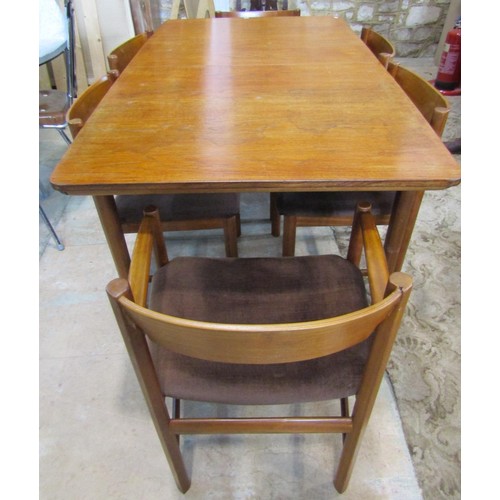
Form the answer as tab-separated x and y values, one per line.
56	38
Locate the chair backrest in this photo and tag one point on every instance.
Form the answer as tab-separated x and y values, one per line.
379	45
120	57
430	102
85	105
258	13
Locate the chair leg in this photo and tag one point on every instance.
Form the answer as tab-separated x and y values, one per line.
64	136
274	215
289	235
344	411
230	236
60	246
238	225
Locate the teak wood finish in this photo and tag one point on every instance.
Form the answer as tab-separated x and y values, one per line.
204	108
433	107
260	344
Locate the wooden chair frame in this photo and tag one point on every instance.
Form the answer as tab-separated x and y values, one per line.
435	109
120	57
381	47
260	344
258	13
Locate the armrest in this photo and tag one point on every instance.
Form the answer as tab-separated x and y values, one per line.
149	238
365	236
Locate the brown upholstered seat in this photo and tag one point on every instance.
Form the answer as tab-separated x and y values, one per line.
178	207
342	204
337	208
267	290
259	331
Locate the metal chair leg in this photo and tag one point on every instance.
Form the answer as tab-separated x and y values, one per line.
64	136
60	246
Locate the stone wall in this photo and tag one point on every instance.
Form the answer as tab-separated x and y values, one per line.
413	26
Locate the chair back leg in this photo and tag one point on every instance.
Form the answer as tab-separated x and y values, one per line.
230	236
289	234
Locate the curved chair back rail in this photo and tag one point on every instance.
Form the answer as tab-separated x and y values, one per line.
256	344
85	105
429	101
258	13
381	47
120	57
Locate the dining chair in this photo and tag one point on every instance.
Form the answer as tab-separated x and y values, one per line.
259	331
379	45
308	209
119	58
179	212
56	37
258	13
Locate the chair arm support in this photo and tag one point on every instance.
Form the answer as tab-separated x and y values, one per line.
365	235
149	238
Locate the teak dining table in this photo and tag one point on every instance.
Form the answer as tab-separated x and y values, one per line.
256	105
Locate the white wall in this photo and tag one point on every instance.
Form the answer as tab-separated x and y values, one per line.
115	21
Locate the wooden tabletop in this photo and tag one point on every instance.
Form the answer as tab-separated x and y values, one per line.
266	104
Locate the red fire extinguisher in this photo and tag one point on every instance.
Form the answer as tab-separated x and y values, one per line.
448	76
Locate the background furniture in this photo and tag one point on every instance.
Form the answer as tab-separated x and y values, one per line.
259	331
56	38
337	208
179	212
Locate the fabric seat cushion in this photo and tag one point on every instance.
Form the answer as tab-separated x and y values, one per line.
251	291
339	203
178	207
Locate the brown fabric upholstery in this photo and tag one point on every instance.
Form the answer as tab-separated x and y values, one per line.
263	290
178	207
333	204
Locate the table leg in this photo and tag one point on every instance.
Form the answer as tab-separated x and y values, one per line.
404	215
106	208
